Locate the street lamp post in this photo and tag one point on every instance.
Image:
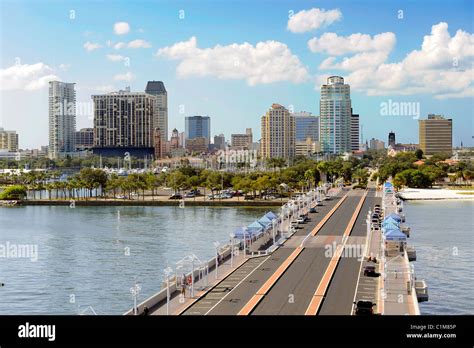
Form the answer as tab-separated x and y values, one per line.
135	290
168	271
216	245
232	236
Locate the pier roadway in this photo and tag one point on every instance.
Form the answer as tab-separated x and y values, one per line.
340	294
292	294
238	288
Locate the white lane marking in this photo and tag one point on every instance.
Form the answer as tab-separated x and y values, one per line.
235	287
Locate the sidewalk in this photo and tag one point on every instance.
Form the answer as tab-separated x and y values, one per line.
178	304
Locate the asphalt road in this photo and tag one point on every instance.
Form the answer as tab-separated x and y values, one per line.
292	294
241	292
340	294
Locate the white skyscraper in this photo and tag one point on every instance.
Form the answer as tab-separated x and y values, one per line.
335	116
62	119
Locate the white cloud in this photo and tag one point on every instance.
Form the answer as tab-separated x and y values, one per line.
308	20
116	57
119	45
90	46
121	28
335	45
139	43
442	67
26	77
64	67
266	62
124	77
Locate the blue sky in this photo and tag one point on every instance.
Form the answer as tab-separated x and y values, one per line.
235	83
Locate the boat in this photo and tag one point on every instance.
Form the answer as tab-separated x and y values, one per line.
421	289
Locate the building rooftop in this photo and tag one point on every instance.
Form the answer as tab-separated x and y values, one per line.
155	87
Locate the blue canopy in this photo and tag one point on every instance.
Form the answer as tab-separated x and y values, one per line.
387	228
265	222
388	184
270	215
242	232
395	235
255	227
391	221
394	216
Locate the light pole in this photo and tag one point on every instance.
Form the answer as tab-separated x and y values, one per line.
216	245
168	271
135	290
232	236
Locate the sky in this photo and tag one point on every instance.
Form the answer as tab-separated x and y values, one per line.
232	59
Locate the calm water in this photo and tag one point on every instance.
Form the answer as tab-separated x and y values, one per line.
82	252
443	234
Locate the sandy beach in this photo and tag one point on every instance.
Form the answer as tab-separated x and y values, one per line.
435	194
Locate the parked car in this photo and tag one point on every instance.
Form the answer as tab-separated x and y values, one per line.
312	210
301	220
370	271
319	203
189	195
364	307
248	198
176	196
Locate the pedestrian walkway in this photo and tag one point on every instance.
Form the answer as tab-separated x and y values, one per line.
179	303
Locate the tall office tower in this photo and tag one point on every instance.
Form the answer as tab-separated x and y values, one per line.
219	142
198	127
242	141
174	143
123	122
391	139
436	134
278	133
62	119
354	132
8	140
335	116
160	117
84	139
306	126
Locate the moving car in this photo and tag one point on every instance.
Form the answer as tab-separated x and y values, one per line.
364	307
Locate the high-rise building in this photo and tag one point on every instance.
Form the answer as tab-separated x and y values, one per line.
354	132
391	139
278	133
335	116
124	122
62	119
376	144
198	127
306	126
160	117
242	141
219	142
84	139
8	140
436	134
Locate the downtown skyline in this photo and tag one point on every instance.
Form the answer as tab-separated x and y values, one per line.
162	43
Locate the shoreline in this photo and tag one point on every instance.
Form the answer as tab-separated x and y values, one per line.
156	203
